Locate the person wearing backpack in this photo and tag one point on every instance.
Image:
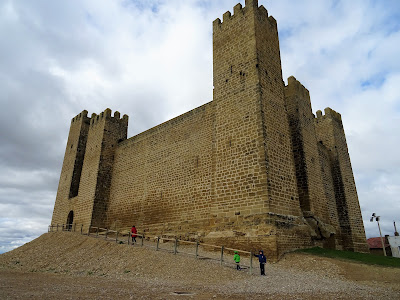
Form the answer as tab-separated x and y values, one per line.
236	258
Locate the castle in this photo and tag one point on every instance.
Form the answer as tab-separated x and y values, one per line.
252	168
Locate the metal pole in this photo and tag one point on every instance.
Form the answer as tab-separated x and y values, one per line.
129	237
142	240
158	243
383	245
106	233
62	228
197	249
81	228
175	246
251	262
97	232
116	238
222	254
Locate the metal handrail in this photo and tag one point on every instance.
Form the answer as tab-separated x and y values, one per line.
69	227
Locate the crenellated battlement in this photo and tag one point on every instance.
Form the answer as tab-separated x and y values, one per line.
329	113
239	10
81	116
94	119
295	87
107	115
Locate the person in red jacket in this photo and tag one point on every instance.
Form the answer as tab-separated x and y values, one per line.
133	234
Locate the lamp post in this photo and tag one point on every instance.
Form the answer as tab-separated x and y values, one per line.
380	232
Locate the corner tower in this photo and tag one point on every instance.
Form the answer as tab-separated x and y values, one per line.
84	186
254	168
71	171
305	150
330	133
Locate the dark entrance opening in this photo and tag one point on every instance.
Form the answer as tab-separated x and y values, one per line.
70	220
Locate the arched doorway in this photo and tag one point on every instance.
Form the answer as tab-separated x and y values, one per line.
70	220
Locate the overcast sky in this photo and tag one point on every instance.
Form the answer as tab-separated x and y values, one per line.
152	60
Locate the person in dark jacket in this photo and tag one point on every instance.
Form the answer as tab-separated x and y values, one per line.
133	234
263	260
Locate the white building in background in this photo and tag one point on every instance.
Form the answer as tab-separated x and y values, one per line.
394	242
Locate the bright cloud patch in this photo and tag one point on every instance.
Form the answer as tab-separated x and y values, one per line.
152	60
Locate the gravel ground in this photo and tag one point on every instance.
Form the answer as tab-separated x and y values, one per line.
71	266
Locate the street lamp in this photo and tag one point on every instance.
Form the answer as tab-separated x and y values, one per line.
380	232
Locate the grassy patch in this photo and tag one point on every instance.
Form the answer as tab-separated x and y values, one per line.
365	258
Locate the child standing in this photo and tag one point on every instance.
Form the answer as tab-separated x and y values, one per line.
263	260
236	258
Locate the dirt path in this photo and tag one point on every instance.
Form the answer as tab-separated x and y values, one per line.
70	266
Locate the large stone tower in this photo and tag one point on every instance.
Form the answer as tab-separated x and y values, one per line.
252	137
83	190
330	133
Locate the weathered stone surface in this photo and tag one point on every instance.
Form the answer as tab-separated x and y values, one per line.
252	169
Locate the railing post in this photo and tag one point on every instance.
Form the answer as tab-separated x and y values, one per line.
88	232
116	238
106	233
142	241
57	227
81	228
97	232
176	246
158	243
129	237
222	254
251	262
197	249
75	227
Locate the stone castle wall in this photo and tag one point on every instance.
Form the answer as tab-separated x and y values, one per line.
163	176
252	169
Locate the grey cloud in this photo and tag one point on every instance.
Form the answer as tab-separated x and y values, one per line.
59	58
